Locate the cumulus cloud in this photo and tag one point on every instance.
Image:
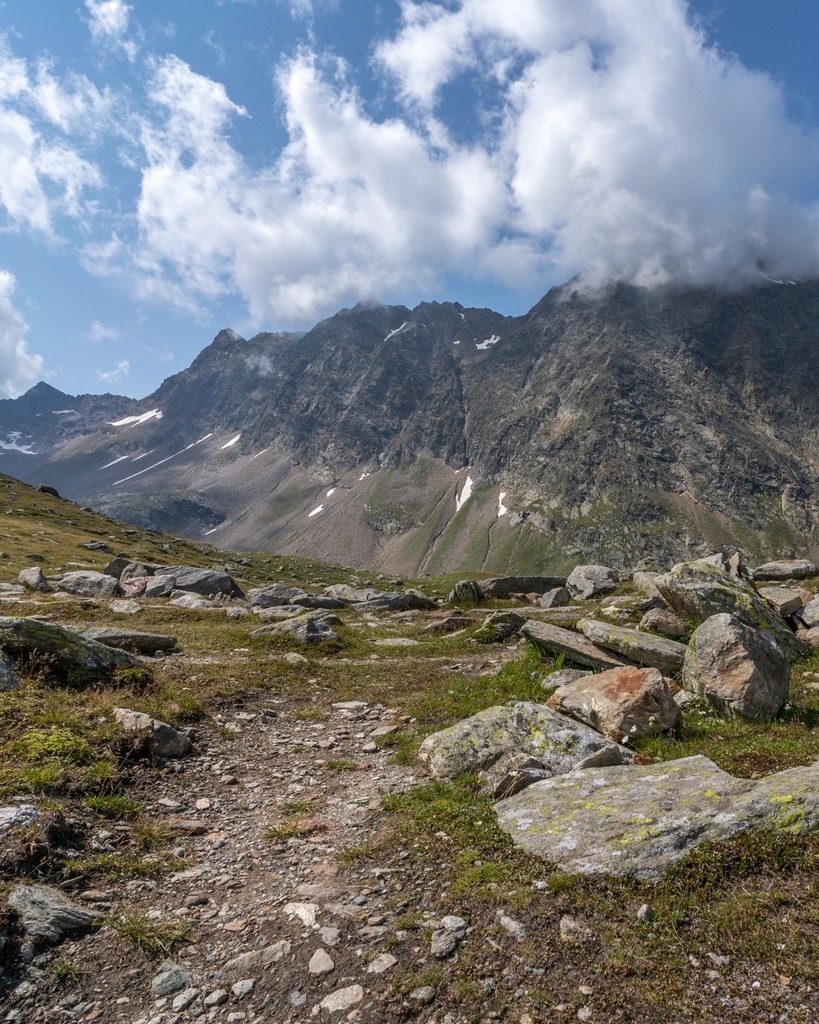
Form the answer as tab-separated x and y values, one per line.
115	375
614	142
18	367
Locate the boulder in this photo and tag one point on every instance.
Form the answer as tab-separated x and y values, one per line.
161	585
131	639
810	636
449	624
61	650
502	587
47	914
641	819
642	648
498	627
513	738
587	581
623	703
89	584
396	601
116	565
784	600
553	640
562	677
351	595
274	595
736	668
466	592
809	614
193	602
19	816
133	579
125	606
309	629
789	569
165	741
33	579
645	583
205	582
656	620
696	591
567	617
559	597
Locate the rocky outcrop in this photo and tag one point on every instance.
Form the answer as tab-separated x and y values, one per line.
61	651
640	820
696	591
623	703
736	668
88	584
642	648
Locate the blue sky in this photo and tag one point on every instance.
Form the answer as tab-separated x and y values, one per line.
171	168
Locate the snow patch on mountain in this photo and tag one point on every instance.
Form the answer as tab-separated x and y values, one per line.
132	421
502	509
315	511
466	493
12	444
231	443
405	326
109	464
161	462
484	345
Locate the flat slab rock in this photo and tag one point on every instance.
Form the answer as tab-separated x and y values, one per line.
789	569
131	639
645	649
504	738
504	586
48	914
642	819
66	650
550	640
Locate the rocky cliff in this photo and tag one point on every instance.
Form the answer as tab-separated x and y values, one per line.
631	425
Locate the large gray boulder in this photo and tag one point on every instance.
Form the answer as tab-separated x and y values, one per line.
623	703
33	579
641	819
48	914
498	627
273	595
134	578
587	581
61	650
466	592
89	584
787	569
658	620
642	648
696	591
554	640
396	601
736	668
309	630
523	739
131	639
809	614
164	740
503	587
205	582
161	585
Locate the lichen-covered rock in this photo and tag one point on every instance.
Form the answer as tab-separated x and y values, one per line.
642	648
656	620
466	592
61	650
165	741
131	639
736	668
310	629
554	640
89	584
501	739
642	819
623	703
590	580
645	583
696	591
498	627
785	600
33	579
787	569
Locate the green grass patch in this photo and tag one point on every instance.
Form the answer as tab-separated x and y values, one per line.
155	938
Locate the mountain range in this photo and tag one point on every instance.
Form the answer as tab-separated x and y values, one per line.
633	425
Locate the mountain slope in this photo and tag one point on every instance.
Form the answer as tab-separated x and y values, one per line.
637	424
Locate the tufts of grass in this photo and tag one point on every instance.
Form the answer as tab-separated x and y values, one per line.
113	805
155	938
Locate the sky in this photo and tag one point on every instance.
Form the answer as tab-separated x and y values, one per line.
169	168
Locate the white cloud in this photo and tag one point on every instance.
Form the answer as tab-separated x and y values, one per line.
99	332
108	21
18	367
613	142
114	376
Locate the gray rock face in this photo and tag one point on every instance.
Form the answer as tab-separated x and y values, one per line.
131	639
33	579
307	629
47	914
736	668
696	591
89	584
623	703
274	595
642	648
161	585
642	819
511	737
809	615
134	578
562	677
205	582
557	598
351	595
64	649
504	586
784	600
645	583
165	741
789	569
395	601
551	640
466	592
590	580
